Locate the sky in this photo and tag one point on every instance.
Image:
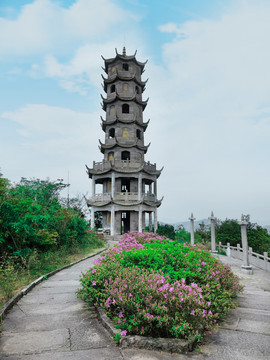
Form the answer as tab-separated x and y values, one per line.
208	89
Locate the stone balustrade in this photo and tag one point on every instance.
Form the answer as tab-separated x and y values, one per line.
261	261
122	164
126	196
123	196
150	167
101	197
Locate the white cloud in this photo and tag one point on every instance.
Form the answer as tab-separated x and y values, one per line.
50	141
210	110
44	25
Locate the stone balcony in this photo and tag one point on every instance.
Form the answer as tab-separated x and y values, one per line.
123	196
123	164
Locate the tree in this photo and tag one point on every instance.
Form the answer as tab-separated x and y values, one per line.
166	230
32	218
182	235
229	231
203	233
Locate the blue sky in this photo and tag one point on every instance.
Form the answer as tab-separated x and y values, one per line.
209	90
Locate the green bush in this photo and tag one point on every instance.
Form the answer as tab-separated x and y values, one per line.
159	287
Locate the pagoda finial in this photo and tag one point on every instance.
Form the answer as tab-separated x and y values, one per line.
124	51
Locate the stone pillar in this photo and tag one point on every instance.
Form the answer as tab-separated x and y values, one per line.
140	219
112	220
140	186
213	235
150	222
93	186
155	187
192	229
155	220
92	217
246	268
143	221
113	185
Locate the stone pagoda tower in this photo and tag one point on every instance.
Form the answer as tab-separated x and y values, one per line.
128	183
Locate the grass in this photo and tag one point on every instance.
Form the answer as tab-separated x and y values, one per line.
41	264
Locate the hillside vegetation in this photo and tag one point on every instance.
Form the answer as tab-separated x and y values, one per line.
38	232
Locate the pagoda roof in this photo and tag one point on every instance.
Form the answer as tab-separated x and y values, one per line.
104	147
102	203
135	97
111	166
119	76
123	57
123	121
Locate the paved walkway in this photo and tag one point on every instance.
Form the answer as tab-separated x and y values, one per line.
51	323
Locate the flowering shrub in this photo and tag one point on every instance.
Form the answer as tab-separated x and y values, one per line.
150	285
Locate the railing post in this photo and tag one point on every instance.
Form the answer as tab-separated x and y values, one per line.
192	229
228	250
249	254
246	268
265	254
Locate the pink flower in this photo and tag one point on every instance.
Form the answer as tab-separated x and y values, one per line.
94	271
124	333
94	283
192	312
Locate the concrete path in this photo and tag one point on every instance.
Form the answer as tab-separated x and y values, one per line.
51	323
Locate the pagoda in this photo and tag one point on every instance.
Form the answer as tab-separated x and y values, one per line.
128	196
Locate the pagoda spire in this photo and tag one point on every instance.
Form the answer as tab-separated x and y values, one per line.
124	51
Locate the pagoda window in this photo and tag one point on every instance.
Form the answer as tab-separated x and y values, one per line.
137	90
112	89
111	156
125	185
125	109
125	66
111	133
125	155
138	133
112	110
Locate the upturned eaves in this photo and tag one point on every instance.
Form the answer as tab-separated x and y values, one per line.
123	121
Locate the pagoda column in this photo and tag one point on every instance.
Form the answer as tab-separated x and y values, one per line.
112	220
93	186
140	219
155	220
140	186
92	217
150	222
155	188
113	185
